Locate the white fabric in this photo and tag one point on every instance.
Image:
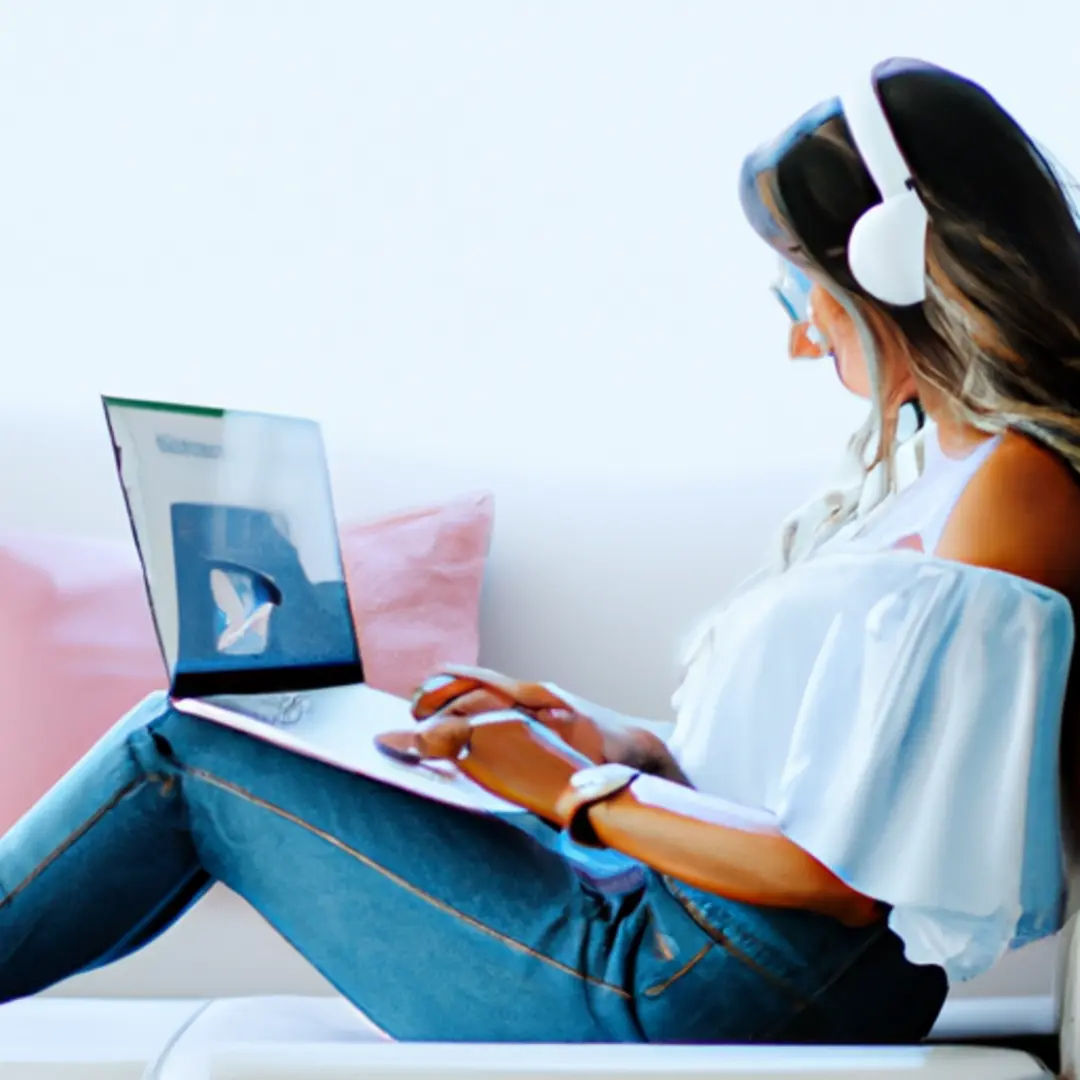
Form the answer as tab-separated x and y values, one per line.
899	714
923	507
851	497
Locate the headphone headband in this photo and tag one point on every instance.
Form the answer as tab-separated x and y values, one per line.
887	247
874	139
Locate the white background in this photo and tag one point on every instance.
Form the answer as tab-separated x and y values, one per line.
463	229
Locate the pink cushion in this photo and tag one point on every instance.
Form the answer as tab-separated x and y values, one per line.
415	589
78	648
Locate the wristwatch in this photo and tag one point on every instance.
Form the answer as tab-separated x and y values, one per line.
586	788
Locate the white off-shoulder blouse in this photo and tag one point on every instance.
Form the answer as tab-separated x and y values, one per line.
899	714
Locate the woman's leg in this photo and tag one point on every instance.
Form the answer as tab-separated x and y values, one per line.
437	923
445	925
101	865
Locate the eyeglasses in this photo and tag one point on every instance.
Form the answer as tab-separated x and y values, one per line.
792	288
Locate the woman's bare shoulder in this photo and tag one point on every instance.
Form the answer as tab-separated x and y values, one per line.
1020	513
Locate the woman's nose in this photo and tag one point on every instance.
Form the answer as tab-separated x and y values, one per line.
806	342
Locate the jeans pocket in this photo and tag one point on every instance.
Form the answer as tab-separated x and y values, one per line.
777	946
786	971
695	982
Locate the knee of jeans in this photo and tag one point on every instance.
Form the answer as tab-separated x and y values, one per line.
142	729
148	711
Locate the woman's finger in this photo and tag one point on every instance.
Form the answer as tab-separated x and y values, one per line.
402	746
438	691
529	695
456	680
443	738
474	703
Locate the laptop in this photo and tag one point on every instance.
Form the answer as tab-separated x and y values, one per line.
233	520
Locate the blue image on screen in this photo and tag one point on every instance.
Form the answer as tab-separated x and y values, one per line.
244	600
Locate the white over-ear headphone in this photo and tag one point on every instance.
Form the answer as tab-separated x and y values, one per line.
887	248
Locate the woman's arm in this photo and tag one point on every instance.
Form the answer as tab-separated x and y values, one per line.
723	848
715	845
629	740
1020	514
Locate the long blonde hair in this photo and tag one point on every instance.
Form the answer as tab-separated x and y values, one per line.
998	336
867	472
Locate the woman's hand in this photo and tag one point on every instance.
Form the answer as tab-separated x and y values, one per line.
466	691
711	844
507	753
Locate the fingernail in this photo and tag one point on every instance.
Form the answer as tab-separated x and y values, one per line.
429	686
400	746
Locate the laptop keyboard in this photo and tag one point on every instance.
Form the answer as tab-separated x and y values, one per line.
280	710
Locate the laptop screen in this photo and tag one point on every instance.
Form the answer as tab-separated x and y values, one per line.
234	521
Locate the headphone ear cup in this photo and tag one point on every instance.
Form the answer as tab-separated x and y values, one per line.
887	250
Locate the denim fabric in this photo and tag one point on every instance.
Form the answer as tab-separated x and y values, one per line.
437	923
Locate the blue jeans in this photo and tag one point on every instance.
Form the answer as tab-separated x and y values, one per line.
437	923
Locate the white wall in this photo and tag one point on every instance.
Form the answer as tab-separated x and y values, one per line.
466	229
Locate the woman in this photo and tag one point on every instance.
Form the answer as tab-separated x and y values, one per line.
859	802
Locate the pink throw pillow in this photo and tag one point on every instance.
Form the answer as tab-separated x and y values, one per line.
414	583
78	648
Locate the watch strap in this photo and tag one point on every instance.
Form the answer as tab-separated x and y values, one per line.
586	788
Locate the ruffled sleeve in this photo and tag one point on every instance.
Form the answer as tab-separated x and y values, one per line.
922	767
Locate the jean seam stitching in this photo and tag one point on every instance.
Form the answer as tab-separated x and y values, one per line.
830	982
73	837
398	880
730	947
658	988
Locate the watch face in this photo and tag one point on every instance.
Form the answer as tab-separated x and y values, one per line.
601	778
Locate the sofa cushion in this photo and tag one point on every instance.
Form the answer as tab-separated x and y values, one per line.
77	650
414	585
434	1061
81	1039
313	1038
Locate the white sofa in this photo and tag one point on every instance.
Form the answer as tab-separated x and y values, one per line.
592	580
